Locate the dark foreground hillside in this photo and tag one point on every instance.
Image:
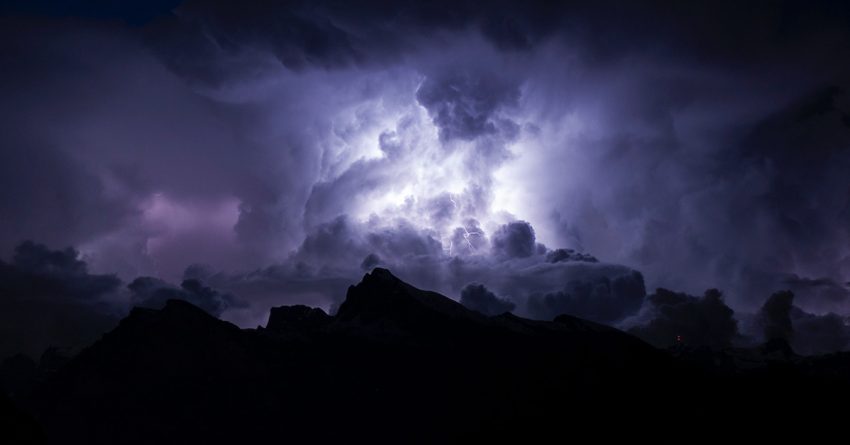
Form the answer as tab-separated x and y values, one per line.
398	364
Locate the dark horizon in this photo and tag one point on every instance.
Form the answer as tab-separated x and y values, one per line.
400	363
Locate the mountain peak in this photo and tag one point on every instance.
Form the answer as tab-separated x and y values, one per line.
296	318
380	277
176	314
383	298
381	273
174	305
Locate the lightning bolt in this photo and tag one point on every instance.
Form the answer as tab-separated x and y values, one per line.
467	234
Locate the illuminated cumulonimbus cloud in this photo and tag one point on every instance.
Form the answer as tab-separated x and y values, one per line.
434	167
428	205
288	149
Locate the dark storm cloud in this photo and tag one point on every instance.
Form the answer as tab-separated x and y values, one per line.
46	193
776	316
464	106
607	299
514	240
807	333
819	334
135	12
821	292
478	298
37	270
665	182
333	35
670	317
49	298
802	153
154	293
338	34
88	151
559	255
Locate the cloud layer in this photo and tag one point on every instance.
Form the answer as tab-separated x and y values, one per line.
48	296
560	156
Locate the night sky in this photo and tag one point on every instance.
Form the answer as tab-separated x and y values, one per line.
515	156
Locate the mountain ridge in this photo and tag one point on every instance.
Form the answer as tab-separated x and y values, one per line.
396	363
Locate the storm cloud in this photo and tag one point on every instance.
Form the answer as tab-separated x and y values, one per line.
776	316
560	155
669	318
464	106
154	293
607	299
49	298
806	333
515	240
478	298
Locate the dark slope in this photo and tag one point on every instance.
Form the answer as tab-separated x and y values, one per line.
398	364
381	300
173	373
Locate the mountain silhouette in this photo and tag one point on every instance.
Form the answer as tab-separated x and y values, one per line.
400	364
382	299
